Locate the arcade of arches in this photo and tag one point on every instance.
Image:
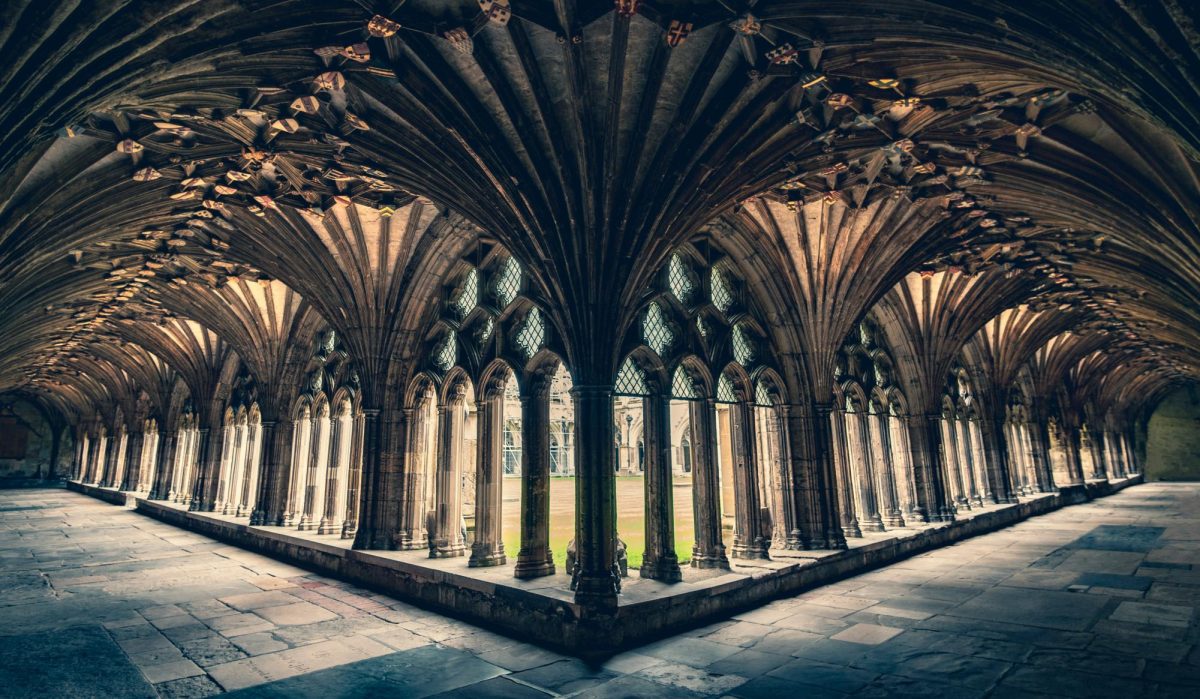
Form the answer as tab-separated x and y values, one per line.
594	289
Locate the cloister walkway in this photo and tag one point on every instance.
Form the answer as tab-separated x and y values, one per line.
1092	600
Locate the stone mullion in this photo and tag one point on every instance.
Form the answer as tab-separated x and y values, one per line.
251	468
1096	445
354	479
318	472
660	561
228	478
378	515
133	462
864	463
111	462
488	547
709	549
328	523
207	469
1073	454
596	578
1002	469
149	464
413	511
966	462
447	536
842	463
787	484
268	501
773	445
903	466
950	462
881	448
822	497
748	539
535	559
983	476
1114	459
160	488
937	470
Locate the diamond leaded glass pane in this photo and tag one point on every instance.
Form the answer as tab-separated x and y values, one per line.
445	354
508	282
655	331
682	385
725	392
761	395
679	279
468	294
532	334
743	346
631	380
722	294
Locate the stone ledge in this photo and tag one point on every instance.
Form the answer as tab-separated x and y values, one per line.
541	612
110	495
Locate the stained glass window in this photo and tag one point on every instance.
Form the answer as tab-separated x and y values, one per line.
654	328
631	381
508	282
725	392
532	334
722	294
445	354
682	386
680	279
743	346
468	294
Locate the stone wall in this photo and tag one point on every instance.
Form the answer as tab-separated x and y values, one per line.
1173	442
26	442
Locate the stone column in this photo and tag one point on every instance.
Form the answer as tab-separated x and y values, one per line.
1096	445
160	488
379	516
488	548
939	471
265	506
882	451
983	481
108	473
709	549
354	484
749	540
207	471
227	466
447	535
864	464
1074	458
659	561
1039	455
844	480
1005	471
329	508
596	578
786	482
412	535
534	559
965	458
133	462
313	495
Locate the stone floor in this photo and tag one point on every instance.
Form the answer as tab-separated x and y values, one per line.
1092	600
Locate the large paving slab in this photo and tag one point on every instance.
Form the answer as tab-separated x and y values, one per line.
1097	599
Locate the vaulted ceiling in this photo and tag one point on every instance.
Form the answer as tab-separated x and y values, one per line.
194	178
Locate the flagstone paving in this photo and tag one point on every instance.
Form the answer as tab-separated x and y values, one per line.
1092	600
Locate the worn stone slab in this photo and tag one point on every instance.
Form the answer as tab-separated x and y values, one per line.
80	662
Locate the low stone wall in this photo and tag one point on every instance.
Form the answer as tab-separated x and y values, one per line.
112	495
560	623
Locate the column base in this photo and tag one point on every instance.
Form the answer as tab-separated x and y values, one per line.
447	550
410	541
851	529
534	564
327	527
754	551
487	557
894	520
873	524
710	561
665	570
349	530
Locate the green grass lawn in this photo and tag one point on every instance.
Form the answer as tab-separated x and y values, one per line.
630	518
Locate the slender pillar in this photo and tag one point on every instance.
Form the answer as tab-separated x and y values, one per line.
709	549
939	470
882	452
488	547
659	561
413	511
844	480
133	462
786	482
749	540
1074	457
596	578
967	461
864	465
354	483
448	537
535	559
276	441
379	516
159	487
330	506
